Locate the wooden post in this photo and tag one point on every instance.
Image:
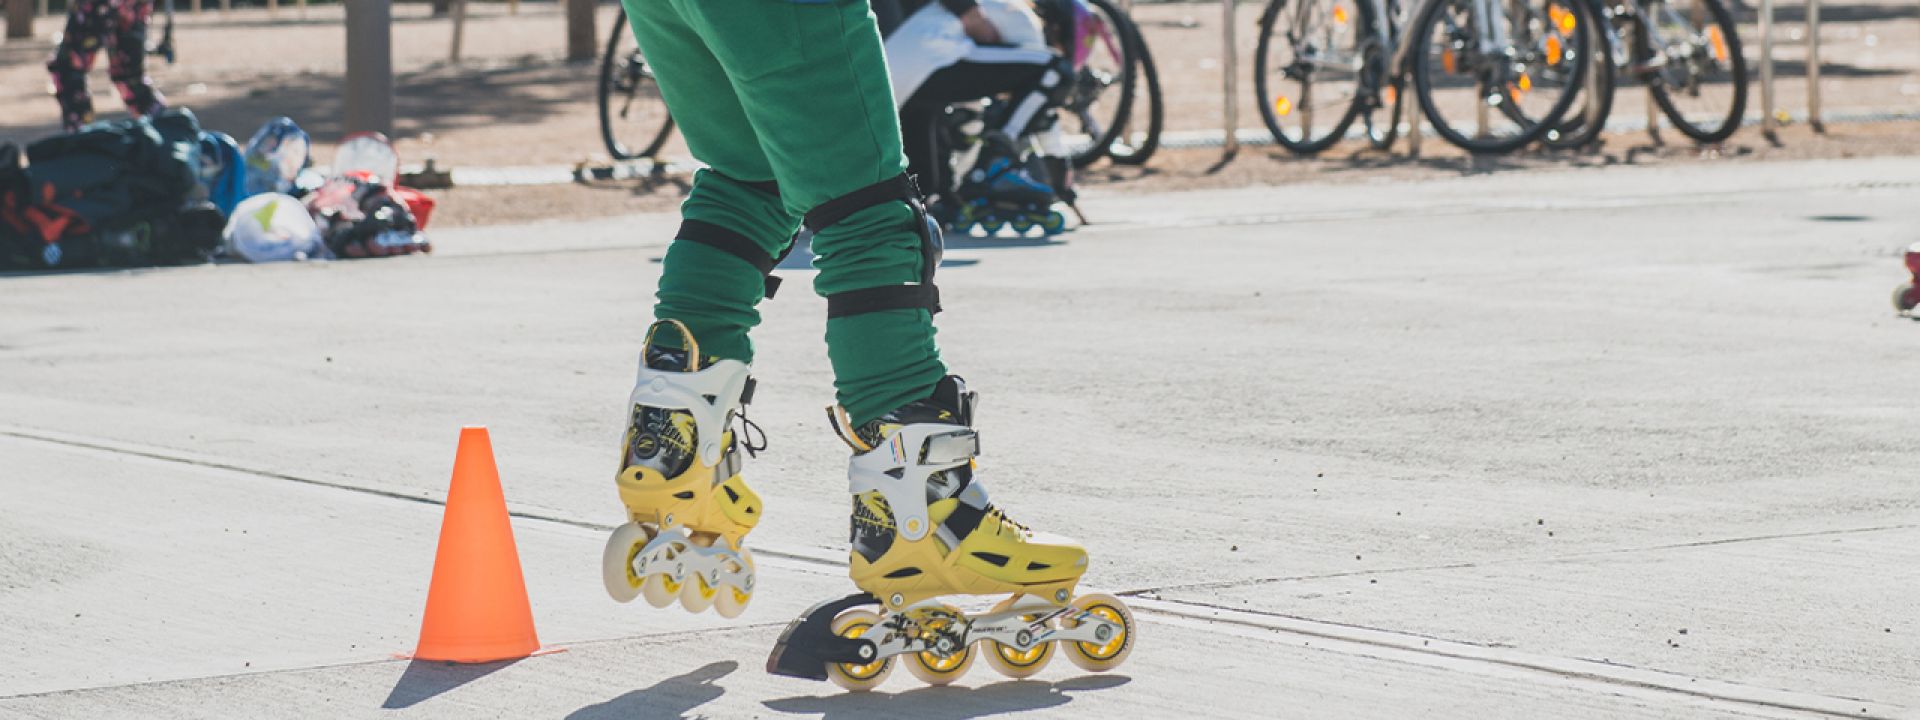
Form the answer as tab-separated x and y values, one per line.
369	101
1230	78
1767	122
459	29
582	40
19	19
195	5
1813	67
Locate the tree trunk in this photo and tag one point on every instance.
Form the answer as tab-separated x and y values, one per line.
581	38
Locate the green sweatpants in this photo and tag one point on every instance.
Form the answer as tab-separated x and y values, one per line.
795	92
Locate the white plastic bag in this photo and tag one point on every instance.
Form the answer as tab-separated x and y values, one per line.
273	227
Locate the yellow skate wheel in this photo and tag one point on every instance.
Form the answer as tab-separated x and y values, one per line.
935	670
616	562
732	601
1105	655
858	678
1010	660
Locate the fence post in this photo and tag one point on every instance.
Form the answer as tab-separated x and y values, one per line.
1230	74
1767	122
1813	67
195	7
369	66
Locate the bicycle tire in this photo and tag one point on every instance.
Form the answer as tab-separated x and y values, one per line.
1575	131
608	62
1102	142
1138	154
1263	95
1422	32
1737	67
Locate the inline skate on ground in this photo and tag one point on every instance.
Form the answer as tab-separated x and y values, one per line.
923	529
1907	295
1002	191
687	507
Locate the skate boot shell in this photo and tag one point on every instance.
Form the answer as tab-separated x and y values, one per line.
924	530
688	508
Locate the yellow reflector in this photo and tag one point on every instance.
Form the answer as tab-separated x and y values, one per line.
1340	14
1553	50
1282	106
1719	43
1446	60
1526	83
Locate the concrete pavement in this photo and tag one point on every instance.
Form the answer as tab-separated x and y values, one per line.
1611	443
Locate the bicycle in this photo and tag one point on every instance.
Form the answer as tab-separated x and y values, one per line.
1513	65
1104	47
626	81
1695	73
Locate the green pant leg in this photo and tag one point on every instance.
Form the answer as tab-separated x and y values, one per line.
812	79
713	292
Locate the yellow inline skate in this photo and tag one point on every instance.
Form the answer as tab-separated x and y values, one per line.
922	529
688	509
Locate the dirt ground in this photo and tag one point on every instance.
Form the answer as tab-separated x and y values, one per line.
514	100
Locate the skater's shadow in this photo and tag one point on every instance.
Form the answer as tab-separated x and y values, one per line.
947	703
669	699
426	679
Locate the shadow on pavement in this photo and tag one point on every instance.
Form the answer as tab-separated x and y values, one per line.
426	679
947	703
668	699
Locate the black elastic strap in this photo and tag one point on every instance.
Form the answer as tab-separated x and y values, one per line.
898	188
735	244
885	297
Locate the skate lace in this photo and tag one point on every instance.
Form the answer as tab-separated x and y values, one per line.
1002	523
752	439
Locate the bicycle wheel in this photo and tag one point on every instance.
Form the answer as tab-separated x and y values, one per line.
1488	98
1586	118
1308	70
1380	109
1698	76
1102	93
1139	136
634	121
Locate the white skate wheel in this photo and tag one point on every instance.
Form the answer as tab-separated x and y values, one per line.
935	670
858	678
732	601
1010	660
616	562
1100	656
695	595
659	590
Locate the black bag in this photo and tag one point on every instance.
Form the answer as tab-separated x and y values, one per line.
111	194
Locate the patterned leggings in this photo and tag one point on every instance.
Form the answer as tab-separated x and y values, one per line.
120	25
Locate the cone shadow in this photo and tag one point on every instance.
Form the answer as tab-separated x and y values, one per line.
947	703
669	699
426	679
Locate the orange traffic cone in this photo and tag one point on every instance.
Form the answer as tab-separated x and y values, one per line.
477	608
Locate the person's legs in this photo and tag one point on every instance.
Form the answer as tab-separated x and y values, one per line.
86	25
127	58
812	80
733	221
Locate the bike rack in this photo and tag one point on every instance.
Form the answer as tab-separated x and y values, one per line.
1769	112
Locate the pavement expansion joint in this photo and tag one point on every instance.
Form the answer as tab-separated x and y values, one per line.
1615	678
1355	640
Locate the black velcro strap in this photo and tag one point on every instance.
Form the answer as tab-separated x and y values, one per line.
897	188
964	520
732	243
885	297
